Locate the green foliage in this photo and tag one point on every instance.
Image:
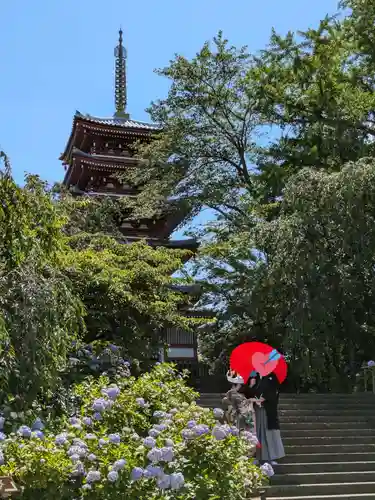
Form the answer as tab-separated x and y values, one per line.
204	464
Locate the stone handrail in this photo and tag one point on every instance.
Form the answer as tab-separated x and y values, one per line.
369	377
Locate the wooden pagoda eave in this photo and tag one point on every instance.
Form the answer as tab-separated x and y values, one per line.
91	126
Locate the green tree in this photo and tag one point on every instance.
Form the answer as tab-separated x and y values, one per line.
39	311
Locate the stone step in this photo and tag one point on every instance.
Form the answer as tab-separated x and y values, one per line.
328	412
323	418
329	456
324	425
330	432
342	406
330	448
329	440
308	490
324	478
313	468
354	496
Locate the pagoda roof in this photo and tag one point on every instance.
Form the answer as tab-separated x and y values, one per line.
118	125
118	121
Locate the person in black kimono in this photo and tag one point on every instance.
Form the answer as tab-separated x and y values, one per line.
264	391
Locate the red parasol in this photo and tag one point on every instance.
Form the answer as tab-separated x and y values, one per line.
258	357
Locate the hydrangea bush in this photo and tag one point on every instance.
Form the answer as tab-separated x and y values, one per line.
143	438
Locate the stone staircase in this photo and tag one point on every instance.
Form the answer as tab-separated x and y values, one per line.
330	446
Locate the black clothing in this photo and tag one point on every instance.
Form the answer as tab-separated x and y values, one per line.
266	387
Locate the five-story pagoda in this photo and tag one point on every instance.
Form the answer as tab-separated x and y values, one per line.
97	154
99	150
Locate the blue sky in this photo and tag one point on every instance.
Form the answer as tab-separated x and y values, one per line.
57	57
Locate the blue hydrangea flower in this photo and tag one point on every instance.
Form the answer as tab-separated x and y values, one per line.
267	469
137	473
218	413
61	439
201	429
153	471
111	392
159	414
37	425
93	476
79	469
119	464
154	455
24	431
87	486
112	476
177	481
2	436
219	432
141	402
115	438
113	347
149	442
191	424
37	434
187	434
91	457
100	405
74	421
97	416
167	454
87	421
164	482
153	433
160	427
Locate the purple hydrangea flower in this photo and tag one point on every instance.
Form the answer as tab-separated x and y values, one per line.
90	436
191	424
371	363
74	421
137	473
97	416
75	457
2	436
91	457
113	347
87	486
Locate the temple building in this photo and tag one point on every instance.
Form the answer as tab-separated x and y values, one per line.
97	152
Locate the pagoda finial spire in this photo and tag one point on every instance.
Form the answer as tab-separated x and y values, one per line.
120	79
